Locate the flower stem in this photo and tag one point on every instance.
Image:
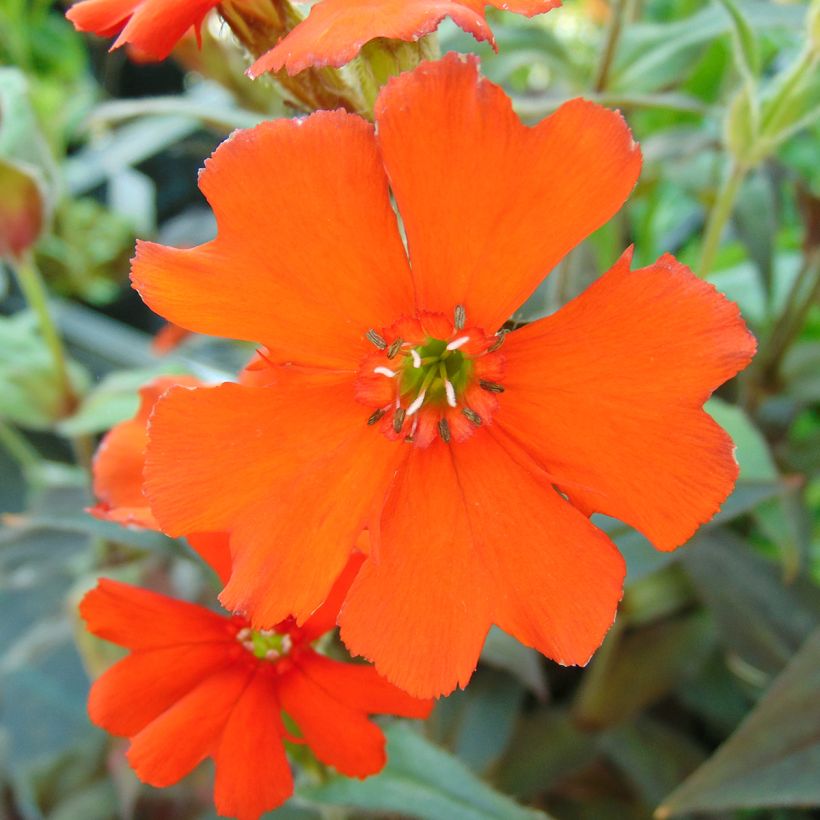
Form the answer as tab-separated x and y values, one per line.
34	290
719	216
613	35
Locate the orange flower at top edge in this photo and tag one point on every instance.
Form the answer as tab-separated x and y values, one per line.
473	458
153	27
335	30
198	684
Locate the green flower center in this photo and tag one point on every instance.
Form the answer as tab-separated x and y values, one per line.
265	644
434	373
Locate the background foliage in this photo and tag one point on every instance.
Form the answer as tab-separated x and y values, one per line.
704	697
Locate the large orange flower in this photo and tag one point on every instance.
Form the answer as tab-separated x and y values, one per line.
198	684
153	27
335	30
474	459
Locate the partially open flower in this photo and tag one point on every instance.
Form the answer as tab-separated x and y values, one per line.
473	458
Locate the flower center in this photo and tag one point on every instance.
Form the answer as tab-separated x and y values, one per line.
265	644
430	378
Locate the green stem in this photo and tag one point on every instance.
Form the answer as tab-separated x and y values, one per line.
613	35
34	290
18	447
719	216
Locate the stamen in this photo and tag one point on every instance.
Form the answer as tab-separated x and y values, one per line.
398	420
444	430
244	634
472	416
457	343
385	371
416	358
417	403
499	340
376	416
376	339
394	348
411	436
451	393
271	655
490	387
460	317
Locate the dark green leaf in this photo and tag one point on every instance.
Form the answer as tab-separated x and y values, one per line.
774	756
421	780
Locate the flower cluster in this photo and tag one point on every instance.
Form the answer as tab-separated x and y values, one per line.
397	459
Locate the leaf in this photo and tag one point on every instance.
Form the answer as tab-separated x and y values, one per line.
505	652
421	780
752	452
635	669
744	44
773	757
759	618
652	756
546	747
486	720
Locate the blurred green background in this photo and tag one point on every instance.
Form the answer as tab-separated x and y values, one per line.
705	698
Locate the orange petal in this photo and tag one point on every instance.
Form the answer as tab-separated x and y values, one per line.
490	206
215	550
154	27
295	476
141	619
421	607
338	735
184	735
119	460
607	394
308	255
335	30
252	771
360	687
558	579
135	691
324	619
102	17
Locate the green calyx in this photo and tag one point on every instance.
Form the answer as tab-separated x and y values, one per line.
437	363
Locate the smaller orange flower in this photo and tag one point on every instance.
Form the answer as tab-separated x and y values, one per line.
198	684
152	27
335	30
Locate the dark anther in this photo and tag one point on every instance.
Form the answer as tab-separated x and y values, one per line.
444	430
376	416
490	387
460	318
394	348
376	339
472	415
398	419
499	340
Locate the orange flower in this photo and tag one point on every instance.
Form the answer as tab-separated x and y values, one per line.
474	459
198	684
118	469
335	30
152	27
